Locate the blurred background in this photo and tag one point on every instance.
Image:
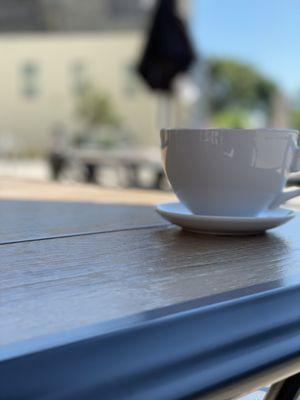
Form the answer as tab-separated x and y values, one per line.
86	86
83	90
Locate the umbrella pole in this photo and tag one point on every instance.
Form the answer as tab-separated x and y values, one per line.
170	111
165	111
178	117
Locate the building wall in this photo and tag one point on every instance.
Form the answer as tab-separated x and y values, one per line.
20	15
73	15
46	62
93	15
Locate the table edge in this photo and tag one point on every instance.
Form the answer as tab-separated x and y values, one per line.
131	351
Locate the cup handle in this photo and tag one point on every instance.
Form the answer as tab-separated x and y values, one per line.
284	197
290	193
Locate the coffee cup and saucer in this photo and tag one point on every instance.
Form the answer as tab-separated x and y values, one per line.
229	181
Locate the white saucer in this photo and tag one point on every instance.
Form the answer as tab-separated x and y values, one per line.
179	215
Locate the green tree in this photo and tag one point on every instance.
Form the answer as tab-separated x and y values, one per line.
235	85
295	120
95	109
231	118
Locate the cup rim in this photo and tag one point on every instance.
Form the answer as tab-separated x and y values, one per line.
231	130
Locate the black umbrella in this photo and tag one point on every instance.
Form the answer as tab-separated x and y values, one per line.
168	50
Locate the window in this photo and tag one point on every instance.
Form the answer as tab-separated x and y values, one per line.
30	80
78	78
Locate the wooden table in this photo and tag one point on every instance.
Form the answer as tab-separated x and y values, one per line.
108	301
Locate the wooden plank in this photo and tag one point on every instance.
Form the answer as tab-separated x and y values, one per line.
24	219
28	220
55	285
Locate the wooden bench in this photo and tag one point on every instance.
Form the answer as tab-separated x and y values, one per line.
132	161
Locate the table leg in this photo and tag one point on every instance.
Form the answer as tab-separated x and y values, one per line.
288	389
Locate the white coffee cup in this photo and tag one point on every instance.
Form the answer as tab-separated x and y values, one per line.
230	172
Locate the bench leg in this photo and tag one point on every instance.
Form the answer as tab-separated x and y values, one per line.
133	175
159	177
57	165
90	173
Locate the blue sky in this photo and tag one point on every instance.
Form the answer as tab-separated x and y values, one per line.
265	33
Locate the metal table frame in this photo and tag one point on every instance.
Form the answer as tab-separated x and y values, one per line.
158	354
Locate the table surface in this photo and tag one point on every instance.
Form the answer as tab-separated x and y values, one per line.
69	265
66	265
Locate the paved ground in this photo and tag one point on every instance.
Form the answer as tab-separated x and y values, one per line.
26	169
16	188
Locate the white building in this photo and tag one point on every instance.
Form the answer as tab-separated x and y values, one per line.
49	48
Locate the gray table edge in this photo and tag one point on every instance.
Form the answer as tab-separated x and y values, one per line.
191	349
